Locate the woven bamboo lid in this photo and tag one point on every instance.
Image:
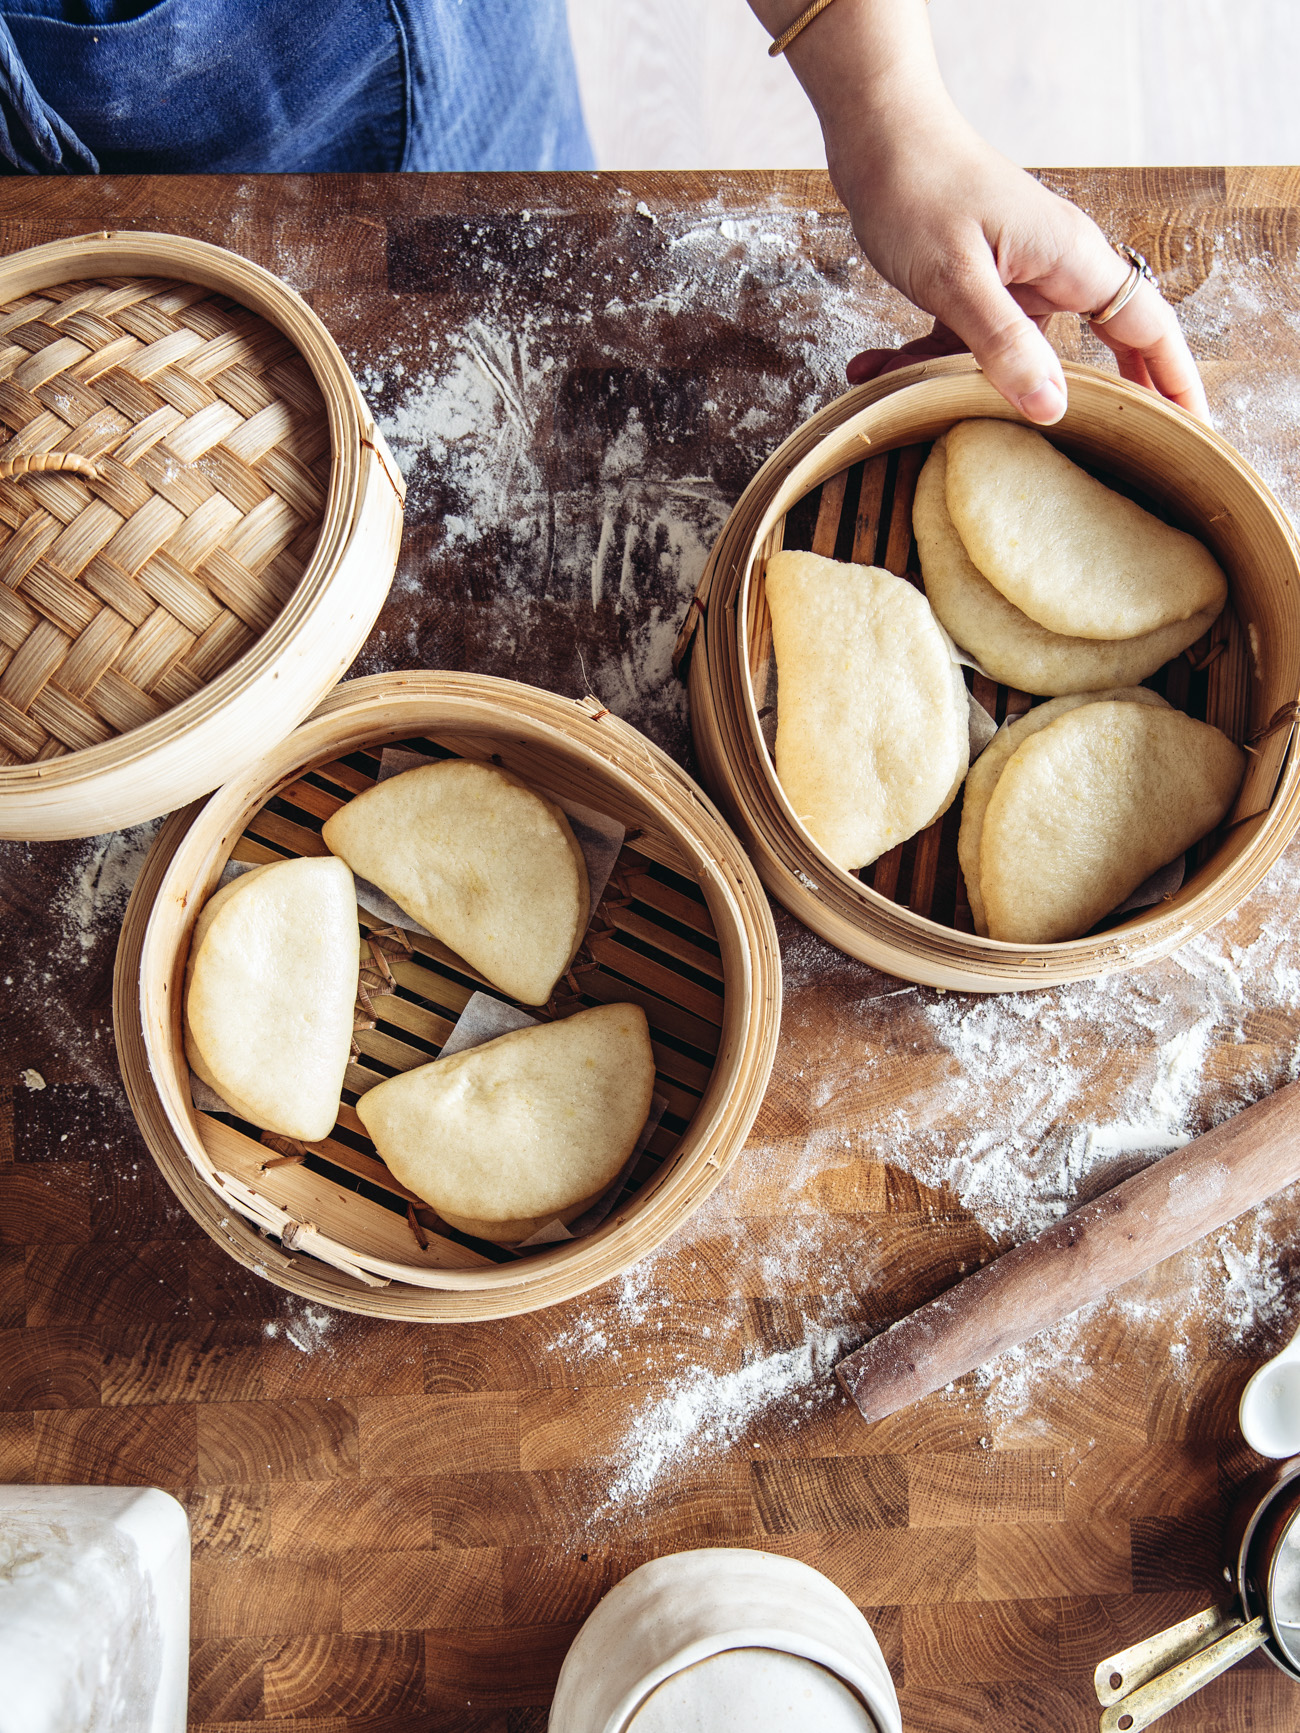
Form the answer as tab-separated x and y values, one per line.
185	467
126	589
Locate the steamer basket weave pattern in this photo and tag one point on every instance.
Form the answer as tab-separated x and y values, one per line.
124	593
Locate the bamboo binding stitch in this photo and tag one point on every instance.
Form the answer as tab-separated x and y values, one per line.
43	462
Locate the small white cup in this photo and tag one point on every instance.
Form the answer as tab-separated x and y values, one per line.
676	1613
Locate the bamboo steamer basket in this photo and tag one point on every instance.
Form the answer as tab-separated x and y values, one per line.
684	930
907	912
202	526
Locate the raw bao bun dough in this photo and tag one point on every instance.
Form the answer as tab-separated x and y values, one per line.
1010	646
504	1137
1076	557
1089	807
872	734
489	867
990	764
269	994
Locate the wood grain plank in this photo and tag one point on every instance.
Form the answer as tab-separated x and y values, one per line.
216	1363
114	1285
116	1447
264	1597
46	1201
421	1435
226	1679
838	1493
338	1355
993	1486
1043	1559
353	1675
983	1641
399	1590
463	1671
59	1366
267	1441
229	1519
544	1585
351	1516
901	1567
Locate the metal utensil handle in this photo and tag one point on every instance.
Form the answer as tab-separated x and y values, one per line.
1123	1673
1150	1702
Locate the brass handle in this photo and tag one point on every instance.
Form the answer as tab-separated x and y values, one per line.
1117	1677
1149	1702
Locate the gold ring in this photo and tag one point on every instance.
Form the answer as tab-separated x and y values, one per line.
1138	271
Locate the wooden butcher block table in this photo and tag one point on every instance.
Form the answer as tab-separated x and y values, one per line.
399	1527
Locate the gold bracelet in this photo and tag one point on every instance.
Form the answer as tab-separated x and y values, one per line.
802	22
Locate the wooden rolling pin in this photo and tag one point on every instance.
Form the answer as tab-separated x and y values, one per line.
1127	1230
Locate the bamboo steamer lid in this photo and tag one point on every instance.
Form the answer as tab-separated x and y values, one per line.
684	930
863	452
199	522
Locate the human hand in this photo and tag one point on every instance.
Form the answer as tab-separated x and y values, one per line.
992	254
962	232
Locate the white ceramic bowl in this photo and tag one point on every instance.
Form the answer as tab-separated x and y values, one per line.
677	1612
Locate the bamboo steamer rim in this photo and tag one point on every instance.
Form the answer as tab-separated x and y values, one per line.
352	433
739	769
186	861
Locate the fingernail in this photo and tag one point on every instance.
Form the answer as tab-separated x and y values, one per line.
1044	404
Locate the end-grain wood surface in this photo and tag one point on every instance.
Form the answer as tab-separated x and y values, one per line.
402	1528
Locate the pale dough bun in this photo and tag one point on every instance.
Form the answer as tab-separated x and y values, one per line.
505	1137
990	764
1089	807
488	866
1009	645
1075	556
269	994
872	733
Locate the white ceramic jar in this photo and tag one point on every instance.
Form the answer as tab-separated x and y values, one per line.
720	1637
94	1610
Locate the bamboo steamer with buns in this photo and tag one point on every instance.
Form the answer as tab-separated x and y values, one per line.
842	485
683	930
199	523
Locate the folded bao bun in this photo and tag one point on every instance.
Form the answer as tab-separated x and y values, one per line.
1070	553
533	1126
269	994
1088	808
990	764
873	734
488	866
1009	645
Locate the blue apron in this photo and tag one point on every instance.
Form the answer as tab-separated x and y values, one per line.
287	86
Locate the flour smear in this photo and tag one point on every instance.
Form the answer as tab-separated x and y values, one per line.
564	461
1006	1110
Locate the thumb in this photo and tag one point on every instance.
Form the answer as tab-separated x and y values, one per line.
1011	350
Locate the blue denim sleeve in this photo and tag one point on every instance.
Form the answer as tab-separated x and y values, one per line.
271	86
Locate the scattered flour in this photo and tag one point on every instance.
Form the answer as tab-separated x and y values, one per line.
522	559
304	1326
101	882
582	555
704	1412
